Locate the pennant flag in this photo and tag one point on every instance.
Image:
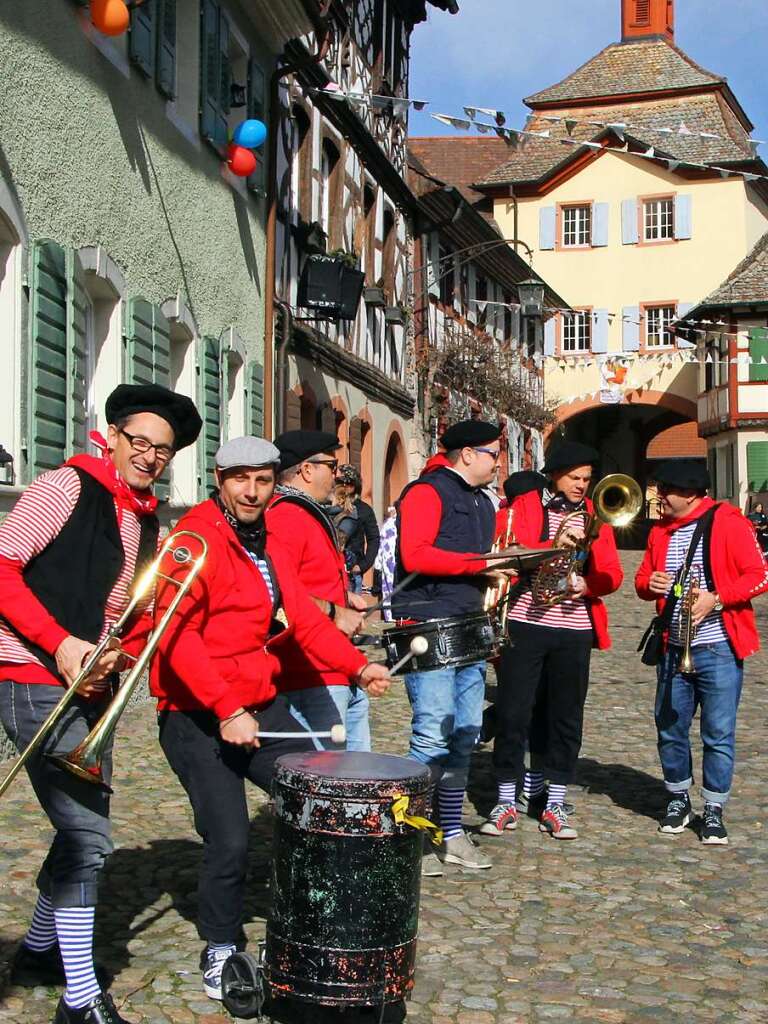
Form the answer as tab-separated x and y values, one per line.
751	177
471	112
570	125
650	152
709	135
420	104
673	164
454	122
591	145
683	130
664	131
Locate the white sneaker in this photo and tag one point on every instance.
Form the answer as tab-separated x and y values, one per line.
212	964
462	851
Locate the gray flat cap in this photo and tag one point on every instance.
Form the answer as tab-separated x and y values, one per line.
247	451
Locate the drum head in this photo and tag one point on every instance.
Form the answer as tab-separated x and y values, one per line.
354	773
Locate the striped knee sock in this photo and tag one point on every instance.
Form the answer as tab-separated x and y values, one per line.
533	784
507	792
450	803
74	927
42	931
556	795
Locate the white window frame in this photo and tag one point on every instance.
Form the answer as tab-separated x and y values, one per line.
657	322
576	331
106	289
578	233
659	219
12	239
184	336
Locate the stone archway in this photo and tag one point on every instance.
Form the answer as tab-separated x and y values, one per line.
395	468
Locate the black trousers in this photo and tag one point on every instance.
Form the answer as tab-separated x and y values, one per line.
213	773
546	669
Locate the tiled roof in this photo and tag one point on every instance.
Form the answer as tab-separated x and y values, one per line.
680	441
458	161
533	159
645	66
747	284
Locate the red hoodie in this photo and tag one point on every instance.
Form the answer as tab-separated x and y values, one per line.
739	570
603	572
215	653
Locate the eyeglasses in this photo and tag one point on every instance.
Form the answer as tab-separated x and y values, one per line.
333	463
163	453
495	453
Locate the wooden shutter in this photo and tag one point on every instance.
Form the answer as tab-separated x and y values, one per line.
549	336
254	405
77	344
435	269
630	328
142	44
257	108
355	441
600	224
757	466
166	47
214	73
629	235
148	344
209	404
47	400
600	330
683	214
547	227
758	350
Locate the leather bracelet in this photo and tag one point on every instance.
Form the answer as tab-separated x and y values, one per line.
331	611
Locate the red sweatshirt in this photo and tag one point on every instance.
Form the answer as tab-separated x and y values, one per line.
319	566
739	570
216	654
603	572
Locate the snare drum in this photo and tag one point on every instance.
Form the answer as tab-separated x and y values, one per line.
453	642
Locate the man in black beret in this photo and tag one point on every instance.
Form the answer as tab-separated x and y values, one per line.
522	482
445	526
62	585
300	518
708	605
543	673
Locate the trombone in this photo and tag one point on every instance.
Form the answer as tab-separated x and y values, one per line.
85	760
496	598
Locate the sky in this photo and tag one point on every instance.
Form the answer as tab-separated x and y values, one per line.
494	52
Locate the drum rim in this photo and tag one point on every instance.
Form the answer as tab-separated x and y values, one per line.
290	763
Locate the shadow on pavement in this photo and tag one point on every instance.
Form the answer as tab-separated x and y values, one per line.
637	791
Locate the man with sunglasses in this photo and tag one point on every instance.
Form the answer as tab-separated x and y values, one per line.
69	553
731	570
445	526
299	519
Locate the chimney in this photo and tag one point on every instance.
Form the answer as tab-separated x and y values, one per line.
643	18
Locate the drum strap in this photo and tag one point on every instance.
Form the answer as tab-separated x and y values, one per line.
399	813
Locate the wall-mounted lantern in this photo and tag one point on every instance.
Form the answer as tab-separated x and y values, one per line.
531	293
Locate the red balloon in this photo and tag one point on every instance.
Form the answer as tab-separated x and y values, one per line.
240	161
110	17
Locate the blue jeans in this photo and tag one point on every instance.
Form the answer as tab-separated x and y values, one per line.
320	707
715	687
447	712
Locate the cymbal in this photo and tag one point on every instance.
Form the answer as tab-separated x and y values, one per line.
522	559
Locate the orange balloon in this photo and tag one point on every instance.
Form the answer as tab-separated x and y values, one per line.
110	17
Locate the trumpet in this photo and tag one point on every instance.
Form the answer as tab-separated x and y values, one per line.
85	760
618	499
687	628
496	597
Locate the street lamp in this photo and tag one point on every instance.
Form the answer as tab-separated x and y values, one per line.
6	467
531	293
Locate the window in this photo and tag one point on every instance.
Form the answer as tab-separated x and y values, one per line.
10	350
446	277
658	219
302	163
328	215
758	353
532	332
577	226
369	222
657	323
182	379
388	255
153	43
577	331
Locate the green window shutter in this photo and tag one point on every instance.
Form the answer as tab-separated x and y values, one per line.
166	47
257	108
254	406
47	387
757	466
148	344
142	45
209	404
214	72
758	349
78	306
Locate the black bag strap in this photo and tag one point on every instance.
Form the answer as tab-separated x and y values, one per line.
669	605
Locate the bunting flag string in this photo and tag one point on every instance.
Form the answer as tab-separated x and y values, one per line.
399	104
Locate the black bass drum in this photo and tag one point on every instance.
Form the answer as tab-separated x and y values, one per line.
453	642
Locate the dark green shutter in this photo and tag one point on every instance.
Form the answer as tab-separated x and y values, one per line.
757	466
758	349
78	305
47	397
166	47
214	73
254	407
148	344
209	403
257	108
142	37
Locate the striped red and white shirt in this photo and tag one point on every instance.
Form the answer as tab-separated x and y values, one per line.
35	521
569	614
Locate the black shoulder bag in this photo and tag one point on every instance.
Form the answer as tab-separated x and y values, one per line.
652	644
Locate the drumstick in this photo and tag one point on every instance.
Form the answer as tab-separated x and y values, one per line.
337	734
419	645
383	604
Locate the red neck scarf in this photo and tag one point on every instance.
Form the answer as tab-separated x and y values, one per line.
101	468
670	525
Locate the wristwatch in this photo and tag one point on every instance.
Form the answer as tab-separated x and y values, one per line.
718	603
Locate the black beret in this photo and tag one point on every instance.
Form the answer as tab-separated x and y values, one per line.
523	482
178	410
469	434
297	446
570	454
688	474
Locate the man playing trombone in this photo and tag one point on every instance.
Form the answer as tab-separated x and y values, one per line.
70	551
712	618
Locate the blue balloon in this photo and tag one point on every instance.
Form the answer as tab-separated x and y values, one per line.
250	134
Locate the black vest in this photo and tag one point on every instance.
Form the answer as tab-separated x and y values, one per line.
73	577
466	524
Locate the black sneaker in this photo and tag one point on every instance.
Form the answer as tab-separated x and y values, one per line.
679	813
713	831
535	806
100	1010
30	967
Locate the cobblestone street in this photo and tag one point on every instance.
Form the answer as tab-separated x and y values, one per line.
621	926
